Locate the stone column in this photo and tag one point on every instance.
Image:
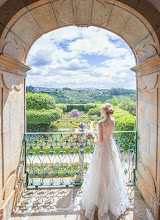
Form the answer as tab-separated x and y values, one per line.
12	112
148	128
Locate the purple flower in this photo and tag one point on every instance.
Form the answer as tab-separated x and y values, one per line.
74	113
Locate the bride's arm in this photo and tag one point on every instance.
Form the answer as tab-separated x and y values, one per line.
100	135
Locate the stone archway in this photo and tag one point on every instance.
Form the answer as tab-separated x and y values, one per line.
137	22
33	20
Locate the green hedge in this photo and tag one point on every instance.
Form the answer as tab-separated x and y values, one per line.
95	111
88	106
79	107
59	110
40	101
62	106
37	128
129	106
42	117
41	120
124	121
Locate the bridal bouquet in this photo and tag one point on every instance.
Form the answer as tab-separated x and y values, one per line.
90	134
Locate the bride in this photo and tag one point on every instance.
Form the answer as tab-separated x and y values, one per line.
104	185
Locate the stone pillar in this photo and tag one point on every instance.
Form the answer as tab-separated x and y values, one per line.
12	119
148	128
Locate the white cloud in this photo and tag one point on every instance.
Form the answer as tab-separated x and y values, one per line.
63	34
98	41
122	75
127	62
59	59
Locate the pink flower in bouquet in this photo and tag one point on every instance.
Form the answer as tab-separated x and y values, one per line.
90	134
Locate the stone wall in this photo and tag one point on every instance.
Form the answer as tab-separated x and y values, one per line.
148	124
12	96
1	159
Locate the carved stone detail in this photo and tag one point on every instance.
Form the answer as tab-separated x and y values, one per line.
101	12
146	49
149	66
13	188
9	185
24	28
13	72
82	12
13	47
147	74
147	83
64	12
13	65
11	81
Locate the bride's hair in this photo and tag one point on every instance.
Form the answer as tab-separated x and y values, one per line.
108	108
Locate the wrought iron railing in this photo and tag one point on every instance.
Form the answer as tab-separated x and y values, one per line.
53	158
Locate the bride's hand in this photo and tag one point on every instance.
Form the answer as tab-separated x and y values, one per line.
93	143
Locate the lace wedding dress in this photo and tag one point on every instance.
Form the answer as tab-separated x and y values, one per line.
104	185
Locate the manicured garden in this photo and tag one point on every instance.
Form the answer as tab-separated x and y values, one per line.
43	114
59	124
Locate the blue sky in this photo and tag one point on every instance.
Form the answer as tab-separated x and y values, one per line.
81	58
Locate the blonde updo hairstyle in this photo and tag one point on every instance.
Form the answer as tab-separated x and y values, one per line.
107	108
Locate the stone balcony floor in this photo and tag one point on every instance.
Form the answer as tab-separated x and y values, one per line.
62	203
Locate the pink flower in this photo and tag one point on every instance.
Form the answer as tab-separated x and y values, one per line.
90	134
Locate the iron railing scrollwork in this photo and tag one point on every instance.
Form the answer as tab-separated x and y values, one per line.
53	158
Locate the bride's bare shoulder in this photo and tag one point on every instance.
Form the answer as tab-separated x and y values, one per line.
113	120
100	122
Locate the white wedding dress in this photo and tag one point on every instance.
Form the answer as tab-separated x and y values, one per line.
104	184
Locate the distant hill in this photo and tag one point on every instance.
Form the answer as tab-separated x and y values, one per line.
83	95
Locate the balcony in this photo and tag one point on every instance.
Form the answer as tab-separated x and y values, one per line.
55	165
